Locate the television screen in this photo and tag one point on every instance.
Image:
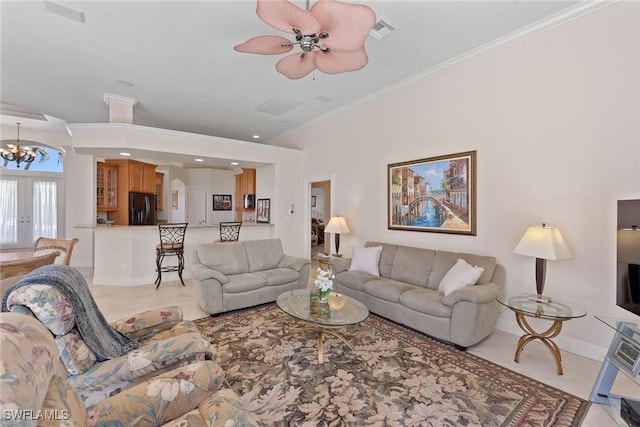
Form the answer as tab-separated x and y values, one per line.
628	255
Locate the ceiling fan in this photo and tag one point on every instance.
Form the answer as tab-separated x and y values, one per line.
331	35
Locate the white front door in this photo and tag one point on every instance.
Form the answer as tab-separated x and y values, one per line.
197	207
30	207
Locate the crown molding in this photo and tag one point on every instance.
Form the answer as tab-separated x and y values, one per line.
108	97
564	16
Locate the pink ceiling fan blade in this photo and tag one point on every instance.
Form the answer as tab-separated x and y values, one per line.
337	61
265	45
284	16
348	25
296	67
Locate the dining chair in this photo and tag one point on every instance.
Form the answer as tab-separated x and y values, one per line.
171	244
63	246
229	231
15	269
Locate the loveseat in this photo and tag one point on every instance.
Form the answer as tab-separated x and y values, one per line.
231	275
407	285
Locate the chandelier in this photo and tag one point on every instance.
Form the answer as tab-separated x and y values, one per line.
16	153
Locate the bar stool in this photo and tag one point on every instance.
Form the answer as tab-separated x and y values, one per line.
171	244
229	231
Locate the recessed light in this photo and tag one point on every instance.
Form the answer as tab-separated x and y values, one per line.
125	154
198	160
234	163
256	136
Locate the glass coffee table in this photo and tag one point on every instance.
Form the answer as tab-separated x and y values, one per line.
340	311
547	308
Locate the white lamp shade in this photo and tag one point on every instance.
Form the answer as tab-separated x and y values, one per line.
337	225
629	246
543	242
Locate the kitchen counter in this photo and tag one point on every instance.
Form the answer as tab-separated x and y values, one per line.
126	254
155	227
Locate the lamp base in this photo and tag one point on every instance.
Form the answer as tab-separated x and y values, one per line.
539	298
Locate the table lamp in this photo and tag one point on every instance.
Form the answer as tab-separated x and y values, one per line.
337	225
543	243
629	253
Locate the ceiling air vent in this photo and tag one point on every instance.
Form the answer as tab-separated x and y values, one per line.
382	28
277	105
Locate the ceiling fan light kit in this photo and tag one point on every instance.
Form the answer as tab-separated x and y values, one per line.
331	36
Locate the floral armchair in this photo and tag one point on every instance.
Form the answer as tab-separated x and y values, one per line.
169	374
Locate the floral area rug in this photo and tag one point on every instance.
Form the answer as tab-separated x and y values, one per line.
393	377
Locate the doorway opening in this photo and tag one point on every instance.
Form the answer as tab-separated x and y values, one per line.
320	213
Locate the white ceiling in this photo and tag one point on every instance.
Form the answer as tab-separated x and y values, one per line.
185	75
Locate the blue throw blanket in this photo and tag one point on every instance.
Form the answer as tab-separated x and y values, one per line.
105	341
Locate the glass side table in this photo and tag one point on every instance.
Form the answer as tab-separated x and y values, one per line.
547	308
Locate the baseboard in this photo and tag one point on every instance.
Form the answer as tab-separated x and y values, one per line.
567	344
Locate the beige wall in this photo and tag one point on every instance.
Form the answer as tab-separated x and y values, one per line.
555	122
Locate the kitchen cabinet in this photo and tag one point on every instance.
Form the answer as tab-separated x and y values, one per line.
106	187
132	176
245	184
159	191
142	177
248	181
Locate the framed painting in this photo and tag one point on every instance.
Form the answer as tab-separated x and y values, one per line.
174	200
222	202
263	210
436	194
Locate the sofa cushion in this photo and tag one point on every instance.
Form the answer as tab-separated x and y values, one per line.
460	275
47	304
445	260
425	301
227	258
386	257
75	354
64	400
244	282
366	260
412	265
161	398
263	254
28	356
387	289
353	279
279	276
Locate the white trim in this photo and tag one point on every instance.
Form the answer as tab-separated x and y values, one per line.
108	97
110	127
567	15
307	209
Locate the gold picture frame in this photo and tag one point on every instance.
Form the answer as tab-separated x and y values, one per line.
436	194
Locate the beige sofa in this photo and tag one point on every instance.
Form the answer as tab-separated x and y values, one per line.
232	275
406	291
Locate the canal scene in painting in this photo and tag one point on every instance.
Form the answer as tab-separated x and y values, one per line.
430	195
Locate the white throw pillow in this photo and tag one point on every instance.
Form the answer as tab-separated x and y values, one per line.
460	275
366	260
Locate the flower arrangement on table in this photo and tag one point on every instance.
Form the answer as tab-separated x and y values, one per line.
324	283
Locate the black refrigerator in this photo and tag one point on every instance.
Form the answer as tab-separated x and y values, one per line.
142	208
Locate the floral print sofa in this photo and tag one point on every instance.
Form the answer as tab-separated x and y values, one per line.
169	351
34	390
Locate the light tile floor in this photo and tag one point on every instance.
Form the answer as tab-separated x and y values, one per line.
535	361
